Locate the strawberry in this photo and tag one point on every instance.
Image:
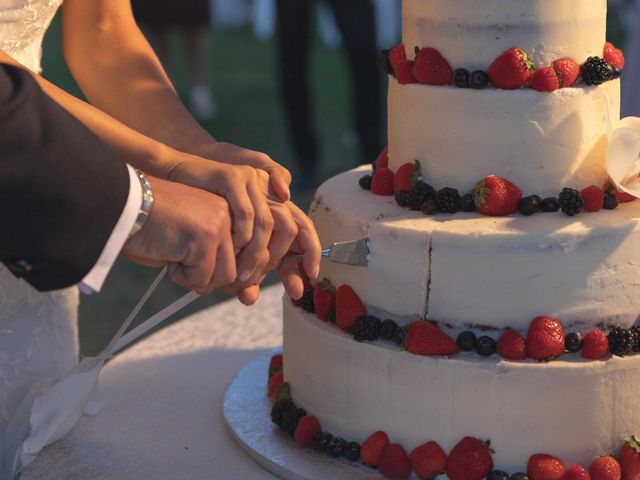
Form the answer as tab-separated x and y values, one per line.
511	70
406	176
545	338
382	182
470	459
613	56
394	462
397	54
545	467
545	79
576	472
592	198
496	196
324	299
605	468
424	338
348	307
567	71
373	448
511	345
623	197
383	159
432	68
275	365
629	457
404	72
274	386
595	345
308	427
428	460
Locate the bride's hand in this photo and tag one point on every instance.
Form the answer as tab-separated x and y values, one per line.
279	177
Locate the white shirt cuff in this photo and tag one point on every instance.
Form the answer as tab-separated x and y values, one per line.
94	280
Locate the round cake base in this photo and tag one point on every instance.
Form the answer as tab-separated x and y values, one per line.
246	411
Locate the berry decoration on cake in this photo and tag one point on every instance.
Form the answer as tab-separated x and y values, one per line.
511	345
406	176
595	71
478	79
466	340
549	205
610	202
373	448
424	338
336	446
431	68
274	386
306	302
382	182
542	466
365	182
367	328
613	56
595	345
485	346
621	341
383	159
570	201
428	460
395	463
467	204
418	194
576	472
511	70
470	459
605	467
461	78
275	364
567	70
404	72
623	197
498	475
592	198
545	338
527	206
324	299
448	200
496	196
388	329
573	342
429	206
321	441
348	308
545	79
629	457
306	431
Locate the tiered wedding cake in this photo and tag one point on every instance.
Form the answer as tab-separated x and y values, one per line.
469	272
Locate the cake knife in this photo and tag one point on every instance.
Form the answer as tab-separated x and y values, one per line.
355	252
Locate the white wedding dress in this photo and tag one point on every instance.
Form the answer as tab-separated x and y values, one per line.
38	331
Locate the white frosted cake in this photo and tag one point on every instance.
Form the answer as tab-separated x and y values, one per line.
474	274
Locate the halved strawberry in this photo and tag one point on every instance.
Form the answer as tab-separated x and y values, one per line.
324	299
348	307
406	176
424	338
431	68
511	70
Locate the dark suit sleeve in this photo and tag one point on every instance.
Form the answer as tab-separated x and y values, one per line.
62	190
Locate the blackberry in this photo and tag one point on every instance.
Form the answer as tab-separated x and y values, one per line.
367	327
321	441
448	200
400	337
636	345
331	318
595	71
466	340
365	182
418	194
291	418
570	201
306	302
279	409
401	198
485	346
467	204
461	78
336	447
387	68
527	206
352	451
388	329
621	341
519	476
615	72
573	342
478	79
429	207
610	202
550	204
498	475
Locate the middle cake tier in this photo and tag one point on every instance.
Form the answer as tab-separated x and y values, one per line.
469	270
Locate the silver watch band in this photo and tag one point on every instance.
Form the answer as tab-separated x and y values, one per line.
147	203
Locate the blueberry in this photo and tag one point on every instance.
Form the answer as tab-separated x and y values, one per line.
498	475
365	182
527	206
461	78
550	204
537	200
336	446
466	340
485	346
467	204
610	202
573	342
321	441
388	329
478	79
352	451
519	476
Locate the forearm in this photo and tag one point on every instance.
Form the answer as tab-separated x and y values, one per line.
121	75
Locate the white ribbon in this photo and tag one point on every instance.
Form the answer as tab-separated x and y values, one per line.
50	411
623	156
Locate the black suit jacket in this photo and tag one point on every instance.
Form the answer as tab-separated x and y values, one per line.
62	190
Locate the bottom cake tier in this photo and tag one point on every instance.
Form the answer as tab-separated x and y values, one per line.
573	408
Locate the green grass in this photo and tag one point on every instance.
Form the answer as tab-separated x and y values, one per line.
245	83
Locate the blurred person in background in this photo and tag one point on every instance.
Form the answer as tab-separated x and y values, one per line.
356	22
192	19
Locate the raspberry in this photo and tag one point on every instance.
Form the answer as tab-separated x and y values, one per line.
595	345
592	198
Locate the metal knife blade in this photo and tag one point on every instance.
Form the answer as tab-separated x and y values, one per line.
355	252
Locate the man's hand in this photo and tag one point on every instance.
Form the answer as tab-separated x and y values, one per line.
189	229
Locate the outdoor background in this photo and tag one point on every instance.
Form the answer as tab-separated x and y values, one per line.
244	81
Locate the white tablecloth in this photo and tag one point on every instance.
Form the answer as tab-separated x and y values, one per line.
162	418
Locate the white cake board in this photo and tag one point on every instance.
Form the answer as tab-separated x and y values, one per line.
247	413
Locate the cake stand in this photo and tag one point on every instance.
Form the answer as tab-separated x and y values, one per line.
246	411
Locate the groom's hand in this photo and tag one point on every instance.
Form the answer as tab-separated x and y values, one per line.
189	229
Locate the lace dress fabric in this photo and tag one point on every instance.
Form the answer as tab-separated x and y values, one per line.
38	331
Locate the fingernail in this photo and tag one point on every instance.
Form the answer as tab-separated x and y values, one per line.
261	279
288	194
245	275
315	272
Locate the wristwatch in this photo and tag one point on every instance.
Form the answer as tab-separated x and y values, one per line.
147	203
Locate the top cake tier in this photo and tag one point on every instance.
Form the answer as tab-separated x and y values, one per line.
472	33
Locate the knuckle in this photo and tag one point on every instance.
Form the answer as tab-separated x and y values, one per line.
266	222
245	213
